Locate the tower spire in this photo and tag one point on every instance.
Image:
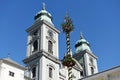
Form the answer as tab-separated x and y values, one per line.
43	6
81	36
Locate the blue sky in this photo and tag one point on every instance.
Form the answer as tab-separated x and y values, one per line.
98	20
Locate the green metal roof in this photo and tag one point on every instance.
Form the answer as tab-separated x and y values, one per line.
44	15
82	45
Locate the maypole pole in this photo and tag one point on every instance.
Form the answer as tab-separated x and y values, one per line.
67	27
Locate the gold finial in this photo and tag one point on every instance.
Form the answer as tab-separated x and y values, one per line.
43	6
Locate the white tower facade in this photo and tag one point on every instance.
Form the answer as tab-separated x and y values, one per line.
42	48
85	57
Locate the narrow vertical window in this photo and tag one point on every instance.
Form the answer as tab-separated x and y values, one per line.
35	45
81	73
50	72
33	72
92	70
50	47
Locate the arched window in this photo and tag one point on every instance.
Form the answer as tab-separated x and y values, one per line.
33	72
92	70
81	73
50	72
35	33
50	47
35	45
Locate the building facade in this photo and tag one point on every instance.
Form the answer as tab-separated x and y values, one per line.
110	74
10	70
42	57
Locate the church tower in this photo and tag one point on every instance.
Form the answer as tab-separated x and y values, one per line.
42	48
85	57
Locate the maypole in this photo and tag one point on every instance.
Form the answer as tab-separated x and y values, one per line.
67	27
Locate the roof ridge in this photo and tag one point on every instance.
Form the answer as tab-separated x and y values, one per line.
12	61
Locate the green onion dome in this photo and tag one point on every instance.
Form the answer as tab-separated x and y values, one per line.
82	45
43	15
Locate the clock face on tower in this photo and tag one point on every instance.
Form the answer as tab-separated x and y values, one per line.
50	33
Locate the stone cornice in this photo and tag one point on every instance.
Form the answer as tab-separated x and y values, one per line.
40	54
83	52
39	23
51	26
86	51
